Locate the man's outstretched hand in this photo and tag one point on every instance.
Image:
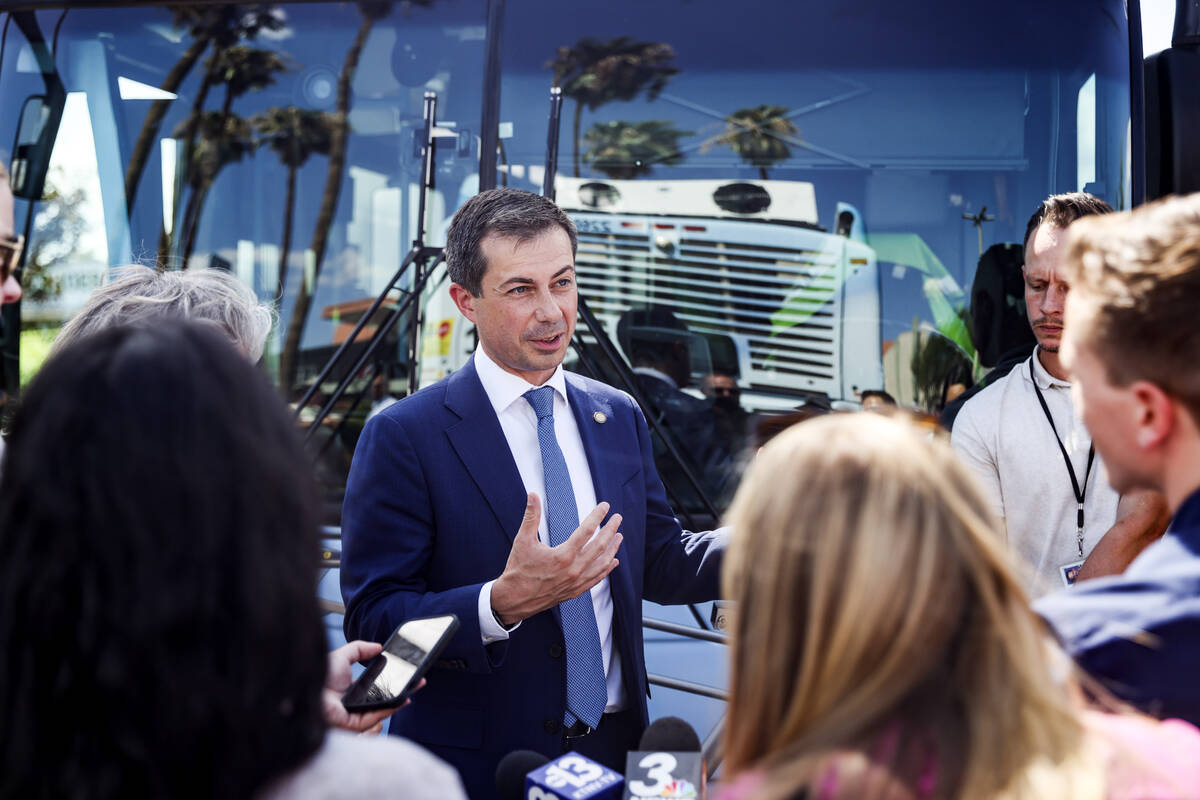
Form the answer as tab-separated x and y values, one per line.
538	577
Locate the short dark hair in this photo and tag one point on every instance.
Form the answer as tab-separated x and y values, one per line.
880	393
512	213
160	634
650	334
1060	210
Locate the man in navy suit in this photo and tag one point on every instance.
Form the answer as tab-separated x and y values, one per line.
444	513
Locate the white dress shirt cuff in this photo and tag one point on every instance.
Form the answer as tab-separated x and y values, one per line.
490	627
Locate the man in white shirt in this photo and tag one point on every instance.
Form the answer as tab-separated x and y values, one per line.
1031	451
484	496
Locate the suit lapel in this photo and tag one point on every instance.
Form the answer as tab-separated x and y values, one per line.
599	441
588	409
479	441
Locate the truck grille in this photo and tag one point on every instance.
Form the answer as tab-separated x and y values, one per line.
781	304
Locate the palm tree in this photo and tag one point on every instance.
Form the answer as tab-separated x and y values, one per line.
294	134
622	149
758	136
593	73
221	26
339	135
223	139
240	69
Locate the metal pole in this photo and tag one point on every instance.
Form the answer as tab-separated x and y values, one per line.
371	346
684	630
337	356
606	347
375	371
430	114
552	142
687	686
711	748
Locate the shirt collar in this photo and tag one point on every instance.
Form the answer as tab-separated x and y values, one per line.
1188	514
503	388
1044	379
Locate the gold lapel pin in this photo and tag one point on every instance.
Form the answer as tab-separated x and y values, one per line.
600	417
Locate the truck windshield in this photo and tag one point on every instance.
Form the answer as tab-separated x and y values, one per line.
781	206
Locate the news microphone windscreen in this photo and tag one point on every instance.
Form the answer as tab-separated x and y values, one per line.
511	772
574	777
670	734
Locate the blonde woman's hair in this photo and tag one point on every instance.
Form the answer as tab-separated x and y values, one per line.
138	295
880	637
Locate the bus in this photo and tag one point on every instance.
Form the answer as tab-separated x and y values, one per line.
816	200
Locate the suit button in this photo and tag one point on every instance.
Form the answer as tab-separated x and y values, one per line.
551	726
555	650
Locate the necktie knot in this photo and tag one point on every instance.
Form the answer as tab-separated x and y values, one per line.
542	400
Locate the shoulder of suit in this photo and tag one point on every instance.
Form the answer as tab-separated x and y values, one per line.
419	404
598	389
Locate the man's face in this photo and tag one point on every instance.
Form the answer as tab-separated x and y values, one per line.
722	390
525	314
1045	290
718	386
1109	411
10	290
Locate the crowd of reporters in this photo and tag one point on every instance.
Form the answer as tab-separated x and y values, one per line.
160	633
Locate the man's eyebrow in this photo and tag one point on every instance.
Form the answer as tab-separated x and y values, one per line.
521	280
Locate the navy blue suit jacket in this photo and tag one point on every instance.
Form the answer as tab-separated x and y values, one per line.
433	502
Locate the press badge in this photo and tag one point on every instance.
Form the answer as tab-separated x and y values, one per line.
1069	572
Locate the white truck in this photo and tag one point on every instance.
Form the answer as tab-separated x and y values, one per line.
790	308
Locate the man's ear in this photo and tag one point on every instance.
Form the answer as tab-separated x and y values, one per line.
464	300
1154	414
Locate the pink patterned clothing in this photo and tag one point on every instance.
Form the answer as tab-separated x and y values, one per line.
1146	759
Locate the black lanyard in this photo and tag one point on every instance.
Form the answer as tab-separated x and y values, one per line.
1080	492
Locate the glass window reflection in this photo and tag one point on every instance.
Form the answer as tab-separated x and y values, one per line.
814	192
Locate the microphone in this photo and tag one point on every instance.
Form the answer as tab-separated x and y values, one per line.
511	772
573	777
667	763
670	733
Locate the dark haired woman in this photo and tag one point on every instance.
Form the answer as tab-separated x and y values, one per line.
159	628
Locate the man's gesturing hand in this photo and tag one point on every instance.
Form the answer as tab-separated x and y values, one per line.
538	577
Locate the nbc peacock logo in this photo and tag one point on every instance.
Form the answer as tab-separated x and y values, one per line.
679	788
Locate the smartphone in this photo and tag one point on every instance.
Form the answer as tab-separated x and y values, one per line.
392	676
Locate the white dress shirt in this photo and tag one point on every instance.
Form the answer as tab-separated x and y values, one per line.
506	392
1003	435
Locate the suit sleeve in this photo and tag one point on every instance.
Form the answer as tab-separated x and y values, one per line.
680	566
388	536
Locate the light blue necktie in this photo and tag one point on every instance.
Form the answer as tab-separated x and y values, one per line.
587	692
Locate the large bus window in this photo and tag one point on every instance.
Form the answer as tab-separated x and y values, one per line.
278	141
817	196
815	190
68	245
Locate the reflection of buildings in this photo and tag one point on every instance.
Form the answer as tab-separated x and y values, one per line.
897	367
346	315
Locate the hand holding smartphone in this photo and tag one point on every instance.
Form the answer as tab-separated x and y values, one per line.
392	676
